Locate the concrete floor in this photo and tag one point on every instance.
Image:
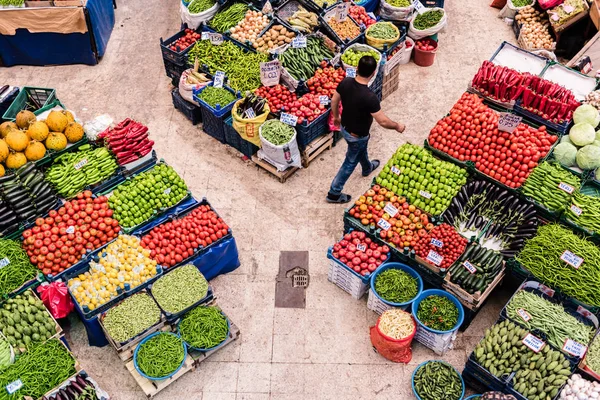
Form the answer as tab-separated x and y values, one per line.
323	351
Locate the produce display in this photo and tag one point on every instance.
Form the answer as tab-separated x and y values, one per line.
198	6
547	99
407	45
580	388
179	289
593	99
276	132
382	30
438	313
520	3
278	97
60	240
276	36
257	104
535	29
228	17
498	82
325	80
399	3
396	286
441	246
352	57
549	318
204	327
6	355
359	14
160	355
40	369
306	108
592	357
12	3
131	317
565	11
214	96
538	375
174	241
428	183
17	269
189	38
426	44
542	257
396	324
551	186
584	209
303	21
25	322
476	268
437	380
248	29
128	140
124	264
136	200
581	148
345	30
301	62
325	3
360	253
71	172
428	19
79	387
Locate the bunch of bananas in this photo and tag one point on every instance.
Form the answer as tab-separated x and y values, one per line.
304	21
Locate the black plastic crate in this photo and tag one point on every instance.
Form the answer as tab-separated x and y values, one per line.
306	133
233	138
483	376
561	128
191	111
180	57
213	125
174	71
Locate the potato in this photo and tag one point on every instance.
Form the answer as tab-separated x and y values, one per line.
290	34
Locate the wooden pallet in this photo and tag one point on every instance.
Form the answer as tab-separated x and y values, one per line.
152	388
281	175
199	356
315	148
125	352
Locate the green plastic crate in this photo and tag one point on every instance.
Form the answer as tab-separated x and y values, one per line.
30	98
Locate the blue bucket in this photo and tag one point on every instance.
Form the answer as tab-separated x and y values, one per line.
212	348
412	380
403	267
474	397
137	348
437	292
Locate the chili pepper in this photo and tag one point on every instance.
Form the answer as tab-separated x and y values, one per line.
438	312
160	355
204	327
396	286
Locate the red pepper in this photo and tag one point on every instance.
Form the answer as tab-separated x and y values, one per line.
542	106
145	151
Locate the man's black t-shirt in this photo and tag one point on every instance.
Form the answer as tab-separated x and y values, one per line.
358	102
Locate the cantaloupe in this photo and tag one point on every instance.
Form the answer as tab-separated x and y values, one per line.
74	132
15	160
3	150
38	131
24	118
5	127
35	151
2	171
56	141
69	115
57	121
17	140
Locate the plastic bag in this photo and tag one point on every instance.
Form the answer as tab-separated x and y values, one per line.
332	127
364	47
389	12
96	126
546	4
281	157
397	350
248	128
186	89
418	34
55	297
193	21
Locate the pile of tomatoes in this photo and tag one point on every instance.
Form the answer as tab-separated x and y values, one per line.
172	242
407	45
277	96
360	253
58	241
470	133
359	14
325	80
189	38
443	240
426	44
307	107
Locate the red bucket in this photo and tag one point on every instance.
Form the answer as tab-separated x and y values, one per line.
424	52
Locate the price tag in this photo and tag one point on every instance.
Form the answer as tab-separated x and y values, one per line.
508	122
270	72
14	386
70	229
419	7
524	315
219	79
324	100
571	259
336	59
361	247
289	119
390	209
167	191
574	348
341	11
576	210
395	170
586	313
566	187
371	15
437	243
534	343
4	262
434	257
299	42
425	194
267	8
546	290
250	113
383	224
81	164
215	38
351	72
470	267
204	36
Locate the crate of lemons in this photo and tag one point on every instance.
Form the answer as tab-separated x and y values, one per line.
27	139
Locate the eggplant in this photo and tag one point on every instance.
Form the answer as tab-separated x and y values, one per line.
478	222
8	220
516	244
471	220
82	381
25	170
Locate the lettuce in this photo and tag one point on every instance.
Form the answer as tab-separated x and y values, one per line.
588	114
582	134
565	154
588	157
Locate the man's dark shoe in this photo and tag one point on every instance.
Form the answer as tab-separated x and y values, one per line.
339	199
374	166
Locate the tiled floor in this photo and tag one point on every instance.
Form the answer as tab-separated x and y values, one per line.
323	351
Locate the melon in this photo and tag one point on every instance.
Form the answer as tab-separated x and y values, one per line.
69	115
3	150
57	121
35	151
6	127
17	140
56	141
2	171
24	118
74	132
15	160
38	131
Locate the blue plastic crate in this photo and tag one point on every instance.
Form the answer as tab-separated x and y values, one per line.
561	128
221	110
233	138
191	111
307	132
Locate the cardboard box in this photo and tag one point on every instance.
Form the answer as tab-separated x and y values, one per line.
595	13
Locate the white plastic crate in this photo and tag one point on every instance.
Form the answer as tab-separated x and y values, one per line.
439	343
346	280
374	303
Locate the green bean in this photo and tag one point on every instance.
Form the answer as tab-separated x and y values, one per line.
589	216
438	312
541	256
131	317
428	19
549	318
521	3
396	286
229	17
592	358
382	30
198	6
437	380
213	96
180	289
16	269
276	132
203	327
399	3
542	185
160	355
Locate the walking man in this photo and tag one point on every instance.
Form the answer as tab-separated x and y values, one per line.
360	107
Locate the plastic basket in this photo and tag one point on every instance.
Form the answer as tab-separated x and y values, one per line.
30	98
221	110
211	348
440	361
402	267
233	138
212	125
191	111
135	355
307	132
437	292
176	57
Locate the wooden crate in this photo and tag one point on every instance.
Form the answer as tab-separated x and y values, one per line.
472	301
152	388
282	176
595	13
391	82
429	266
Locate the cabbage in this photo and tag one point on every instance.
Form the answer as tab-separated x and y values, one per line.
597	135
565	139
586	113
588	157
596	143
582	134
565	154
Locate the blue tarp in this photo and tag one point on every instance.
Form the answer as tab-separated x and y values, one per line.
102	19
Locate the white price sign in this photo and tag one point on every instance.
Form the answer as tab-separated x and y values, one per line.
70	229
299	42
341	11
395	170
383	224
289	119
574	348
566	187
250	113
470	267
524	315
267	8
390	209
215	38
167	191
204	36
324	100
425	194
270	72
586	313
4	262
419	7
508	122
14	386
81	164
437	243
219	79
547	291
573	260
576	210
434	257
361	247
351	72
534	343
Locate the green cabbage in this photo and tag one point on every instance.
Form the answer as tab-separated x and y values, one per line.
565	139
587	113
596	143
565	154
582	134
597	135
588	157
